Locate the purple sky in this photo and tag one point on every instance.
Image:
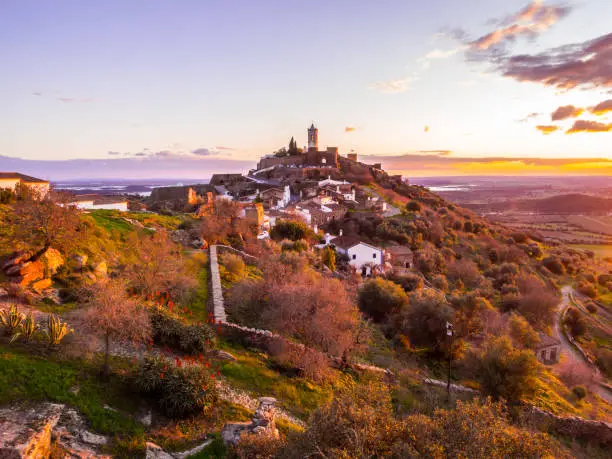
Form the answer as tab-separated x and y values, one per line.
190	86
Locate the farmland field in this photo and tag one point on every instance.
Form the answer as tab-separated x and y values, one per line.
601	250
597	224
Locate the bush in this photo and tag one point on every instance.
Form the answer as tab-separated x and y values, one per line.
409	282
413	206
378	298
234	267
586	288
554	265
603	279
505	371
178	390
172	332
329	258
580	392
291	229
575	322
591	307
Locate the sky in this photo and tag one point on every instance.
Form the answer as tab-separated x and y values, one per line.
188	87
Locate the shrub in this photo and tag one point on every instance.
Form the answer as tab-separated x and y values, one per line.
603	279
586	288
409	282
554	265
27	329
234	266
178	390
413	206
591	307
580	392
505	371
291	229
329	258
56	330
378	298
11	320
172	332
257	446
575	322
521	332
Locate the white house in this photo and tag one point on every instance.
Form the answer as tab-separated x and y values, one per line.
96	202
363	257
10	180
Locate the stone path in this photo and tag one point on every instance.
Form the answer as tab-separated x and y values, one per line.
217	289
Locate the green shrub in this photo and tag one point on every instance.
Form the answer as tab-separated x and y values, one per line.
329	258
554	265
235	267
580	392
179	391
179	336
293	230
379	298
413	206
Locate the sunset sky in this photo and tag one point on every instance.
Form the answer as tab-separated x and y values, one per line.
185	88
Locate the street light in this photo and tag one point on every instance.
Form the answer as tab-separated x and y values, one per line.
450	333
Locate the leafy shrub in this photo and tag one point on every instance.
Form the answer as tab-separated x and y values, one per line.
329	258
580	392
554	265
234	267
603	279
295	246
413	206
172	332
291	229
179	390
591	307
409	282
253	446
586	288
378	298
575	322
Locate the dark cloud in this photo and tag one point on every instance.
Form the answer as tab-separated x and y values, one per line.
584	65
546	130
37	93
565	112
204	152
602	108
588	126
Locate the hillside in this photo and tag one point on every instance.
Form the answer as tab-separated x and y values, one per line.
559	204
337	351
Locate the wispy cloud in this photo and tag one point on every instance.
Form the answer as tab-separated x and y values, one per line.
436	152
204	152
36	93
528	117
547	129
393	86
70	100
588	126
221	147
565	112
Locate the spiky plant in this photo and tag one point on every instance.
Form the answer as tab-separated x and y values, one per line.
11	319
27	329
56	329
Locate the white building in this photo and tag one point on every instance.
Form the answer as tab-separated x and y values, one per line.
10	181
97	202
363	257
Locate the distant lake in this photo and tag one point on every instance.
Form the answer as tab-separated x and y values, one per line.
107	187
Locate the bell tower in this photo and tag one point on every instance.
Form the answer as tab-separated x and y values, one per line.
313	137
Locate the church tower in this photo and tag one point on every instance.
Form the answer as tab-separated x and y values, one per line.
313	137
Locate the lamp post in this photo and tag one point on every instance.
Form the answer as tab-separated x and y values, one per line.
450	333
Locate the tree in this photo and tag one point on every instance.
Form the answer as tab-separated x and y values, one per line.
575	322
114	316
329	258
424	320
157	265
379	298
45	221
505	371
521	332
221	221
290	229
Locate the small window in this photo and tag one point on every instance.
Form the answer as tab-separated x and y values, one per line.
354	256
374	255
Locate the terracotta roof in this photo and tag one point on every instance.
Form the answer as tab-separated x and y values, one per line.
22	177
547	341
346	242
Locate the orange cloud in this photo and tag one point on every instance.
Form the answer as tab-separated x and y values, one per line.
588	126
565	112
546	130
602	108
350	129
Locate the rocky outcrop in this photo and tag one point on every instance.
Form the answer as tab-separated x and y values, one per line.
36	431
22	269
262	423
26	433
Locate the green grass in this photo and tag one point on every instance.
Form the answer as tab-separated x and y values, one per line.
109	220
216	450
198	304
252	373
114	220
28	378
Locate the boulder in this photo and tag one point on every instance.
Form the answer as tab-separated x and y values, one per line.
155	452
222	355
41	285
16	258
80	261
101	269
52	260
27	432
262	423
26	273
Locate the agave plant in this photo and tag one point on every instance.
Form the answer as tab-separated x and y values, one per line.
56	329
27	329
11	319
